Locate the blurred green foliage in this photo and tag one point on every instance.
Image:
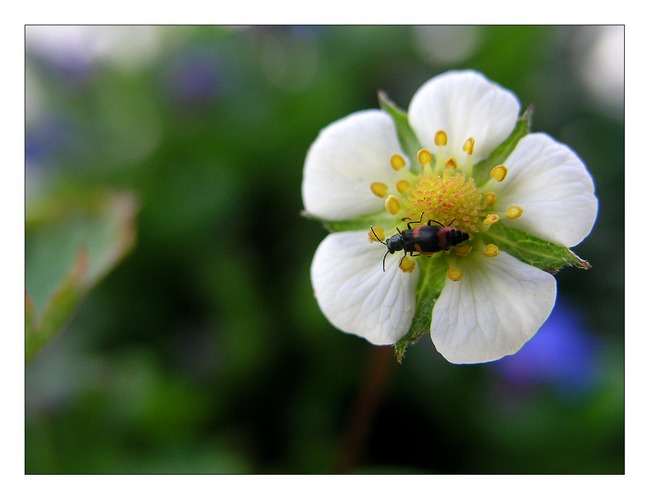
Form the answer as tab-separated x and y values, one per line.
74	242
204	351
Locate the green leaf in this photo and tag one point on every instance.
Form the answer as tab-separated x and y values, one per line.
531	250
71	242
433	271
407	139
59	308
482	169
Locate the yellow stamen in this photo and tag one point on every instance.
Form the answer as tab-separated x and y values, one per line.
514	212
403	186
425	157
397	162
407	265
454	274
463	251
491	250
379	189
441	138
392	204
445	198
468	147
451	163
491	219
378	235
499	173
490	198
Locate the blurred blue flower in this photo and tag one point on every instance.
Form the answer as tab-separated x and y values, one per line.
44	139
194	77
563	354
73	53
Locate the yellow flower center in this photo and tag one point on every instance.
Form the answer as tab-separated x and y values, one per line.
450	199
444	192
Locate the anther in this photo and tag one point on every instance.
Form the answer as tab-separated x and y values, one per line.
403	186
425	157
491	219
514	212
454	274
441	138
376	234
468	147
463	250
407	265
451	163
397	162
379	189
392	204
491	250
499	173
490	198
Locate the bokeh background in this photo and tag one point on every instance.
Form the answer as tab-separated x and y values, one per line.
197	346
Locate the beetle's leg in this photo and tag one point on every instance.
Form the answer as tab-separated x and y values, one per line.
439	223
413	222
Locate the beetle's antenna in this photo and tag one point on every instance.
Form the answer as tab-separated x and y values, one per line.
383	262
377	237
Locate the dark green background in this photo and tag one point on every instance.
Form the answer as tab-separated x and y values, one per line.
204	351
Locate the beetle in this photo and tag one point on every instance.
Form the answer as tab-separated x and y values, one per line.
422	239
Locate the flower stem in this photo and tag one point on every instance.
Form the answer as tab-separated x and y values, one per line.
380	361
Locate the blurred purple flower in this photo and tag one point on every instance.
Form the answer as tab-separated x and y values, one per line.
563	354
66	53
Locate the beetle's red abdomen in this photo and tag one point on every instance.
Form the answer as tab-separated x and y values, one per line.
432	239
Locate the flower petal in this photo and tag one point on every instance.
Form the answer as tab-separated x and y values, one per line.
355	295
493	310
344	160
464	104
552	185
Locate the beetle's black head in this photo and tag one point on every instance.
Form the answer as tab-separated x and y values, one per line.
395	243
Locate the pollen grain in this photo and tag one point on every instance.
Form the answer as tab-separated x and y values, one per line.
392	204
379	189
454	274
499	173
514	212
397	161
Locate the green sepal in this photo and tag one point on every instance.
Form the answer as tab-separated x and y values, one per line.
433	272
407	138
481	171
531	250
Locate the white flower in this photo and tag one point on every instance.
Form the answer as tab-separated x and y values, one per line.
491	302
